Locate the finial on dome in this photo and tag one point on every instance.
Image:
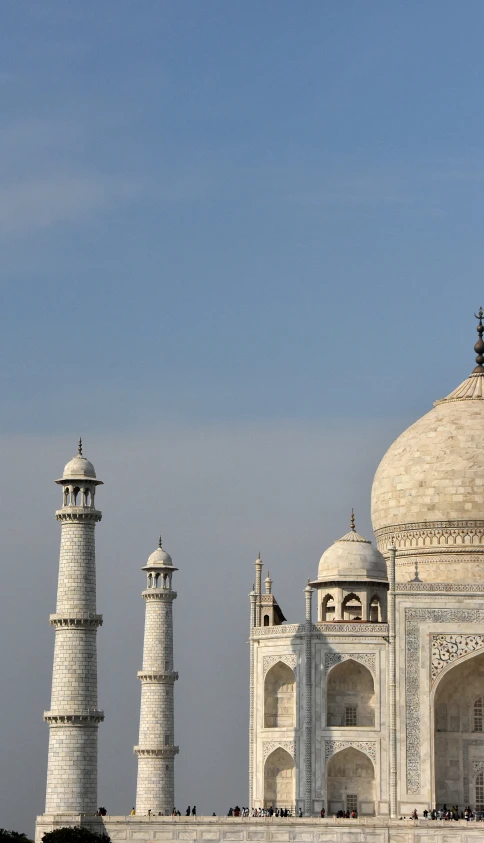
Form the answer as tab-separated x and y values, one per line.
479	346
352	521
79	447
160	544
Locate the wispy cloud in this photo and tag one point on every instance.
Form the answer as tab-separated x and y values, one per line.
59	199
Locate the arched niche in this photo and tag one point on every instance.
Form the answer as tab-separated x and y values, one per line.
350	695
376	614
280	697
279	780
458	714
328	608
351	780
351	608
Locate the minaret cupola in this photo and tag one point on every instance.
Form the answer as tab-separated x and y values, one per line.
159	568
79	482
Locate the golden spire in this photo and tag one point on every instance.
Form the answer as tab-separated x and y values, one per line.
352	521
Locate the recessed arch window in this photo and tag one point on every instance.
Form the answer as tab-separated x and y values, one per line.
280	697
328	608
375	610
350	695
352	608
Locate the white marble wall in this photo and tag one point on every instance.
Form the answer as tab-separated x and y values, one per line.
364	643
269	830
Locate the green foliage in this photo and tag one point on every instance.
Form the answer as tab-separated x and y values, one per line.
13	837
75	834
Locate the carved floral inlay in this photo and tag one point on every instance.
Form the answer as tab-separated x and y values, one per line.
289	659
367	659
446	648
270	746
368	747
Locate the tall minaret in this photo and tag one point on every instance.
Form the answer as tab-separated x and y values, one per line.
74	717
156	749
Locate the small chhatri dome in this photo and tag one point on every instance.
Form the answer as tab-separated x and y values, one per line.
352	557
160	557
79	468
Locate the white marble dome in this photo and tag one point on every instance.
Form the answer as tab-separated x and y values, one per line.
159	557
434	471
78	468
352	558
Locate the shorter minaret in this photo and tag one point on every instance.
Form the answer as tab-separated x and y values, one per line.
156	749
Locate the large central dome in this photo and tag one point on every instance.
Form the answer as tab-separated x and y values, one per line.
428	491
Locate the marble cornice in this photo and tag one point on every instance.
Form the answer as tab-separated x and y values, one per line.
432	537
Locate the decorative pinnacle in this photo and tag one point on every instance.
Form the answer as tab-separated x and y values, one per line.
79	446
479	346
352	521
416	577
160	544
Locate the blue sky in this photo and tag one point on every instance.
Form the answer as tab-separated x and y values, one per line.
241	248
236	210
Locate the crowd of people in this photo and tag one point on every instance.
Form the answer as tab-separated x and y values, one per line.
260	812
446	813
443	813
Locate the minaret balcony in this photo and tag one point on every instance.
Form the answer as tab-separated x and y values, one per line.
157	751
159	594
78	619
157	675
89	717
78	513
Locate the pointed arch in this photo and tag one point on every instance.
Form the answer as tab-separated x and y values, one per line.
350	695
376	614
351	608
328	608
279	780
457	703
351	781
280	697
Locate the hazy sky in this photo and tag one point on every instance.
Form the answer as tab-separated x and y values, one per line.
241	247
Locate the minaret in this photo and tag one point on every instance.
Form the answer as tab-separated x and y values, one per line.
74	717
156	749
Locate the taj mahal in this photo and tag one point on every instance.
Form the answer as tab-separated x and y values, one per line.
372	703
